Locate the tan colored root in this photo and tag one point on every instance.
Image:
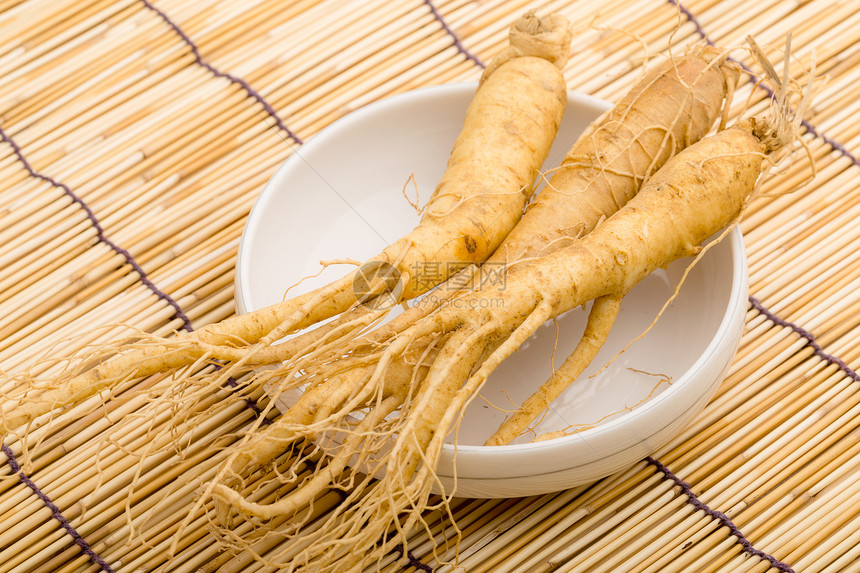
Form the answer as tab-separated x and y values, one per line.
295	424
394	503
547	38
323	266
455	286
322	408
404	490
581	183
600	320
416	204
779	129
373	507
774	135
377	515
776	132
347	325
277	380
452	366
716	59
673	106
325	403
443	396
457	398
322	480
576	428
170	354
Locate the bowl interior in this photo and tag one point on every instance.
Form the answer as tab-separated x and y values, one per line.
629	370
341	196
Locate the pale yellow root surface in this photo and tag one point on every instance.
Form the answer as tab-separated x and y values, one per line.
672	107
690	118
601	318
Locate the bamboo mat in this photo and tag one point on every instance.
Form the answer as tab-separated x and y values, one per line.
136	136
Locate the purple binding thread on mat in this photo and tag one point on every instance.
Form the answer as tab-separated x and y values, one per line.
186	323
254	94
178	312
413	561
835	145
457	42
719	516
810	339
55	511
249	402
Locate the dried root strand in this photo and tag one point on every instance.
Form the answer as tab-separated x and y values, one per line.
412	379
601	318
547	38
334	468
671	215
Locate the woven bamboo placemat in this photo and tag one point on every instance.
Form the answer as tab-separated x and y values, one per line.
137	134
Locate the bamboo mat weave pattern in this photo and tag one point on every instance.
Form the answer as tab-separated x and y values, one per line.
136	135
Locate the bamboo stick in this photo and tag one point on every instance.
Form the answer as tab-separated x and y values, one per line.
797	489
81	73
823	431
692	528
503	538
609	552
836	553
31	25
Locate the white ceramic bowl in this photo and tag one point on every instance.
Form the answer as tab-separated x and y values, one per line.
341	196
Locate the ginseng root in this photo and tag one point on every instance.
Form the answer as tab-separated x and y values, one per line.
698	192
